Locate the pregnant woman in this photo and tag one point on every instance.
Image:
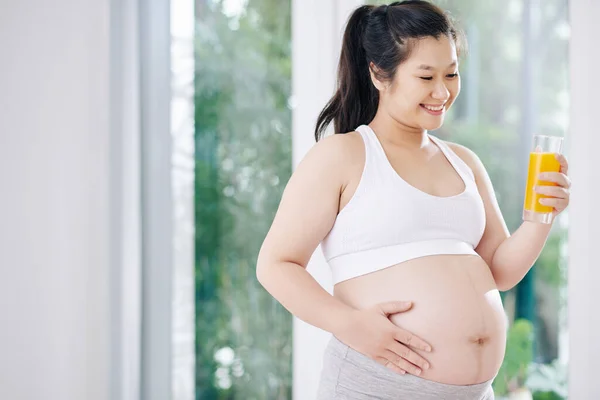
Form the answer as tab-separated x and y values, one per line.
408	223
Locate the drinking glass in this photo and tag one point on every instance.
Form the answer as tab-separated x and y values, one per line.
541	159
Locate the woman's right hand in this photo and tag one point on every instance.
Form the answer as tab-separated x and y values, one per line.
371	333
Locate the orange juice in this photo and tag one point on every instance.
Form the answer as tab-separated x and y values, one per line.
539	162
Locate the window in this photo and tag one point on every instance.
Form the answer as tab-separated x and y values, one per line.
243	161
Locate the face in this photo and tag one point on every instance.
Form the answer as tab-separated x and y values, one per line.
425	85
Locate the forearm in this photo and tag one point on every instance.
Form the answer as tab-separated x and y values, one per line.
303	296
517	254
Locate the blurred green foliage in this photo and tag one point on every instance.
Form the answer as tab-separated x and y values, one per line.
518	357
243	160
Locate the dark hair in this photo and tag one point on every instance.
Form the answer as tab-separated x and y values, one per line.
385	36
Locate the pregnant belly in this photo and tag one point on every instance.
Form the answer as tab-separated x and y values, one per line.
456	308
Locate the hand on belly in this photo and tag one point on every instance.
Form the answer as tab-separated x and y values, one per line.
456	308
467	335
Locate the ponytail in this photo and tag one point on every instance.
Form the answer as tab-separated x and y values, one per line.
356	99
382	35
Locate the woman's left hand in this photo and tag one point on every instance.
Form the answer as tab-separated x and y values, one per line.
560	194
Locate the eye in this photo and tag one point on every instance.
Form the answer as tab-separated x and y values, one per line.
430	78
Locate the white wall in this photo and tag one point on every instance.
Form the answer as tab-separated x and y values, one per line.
584	219
54	200
315	36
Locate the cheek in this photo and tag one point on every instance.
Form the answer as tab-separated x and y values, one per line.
454	89
405	104
411	96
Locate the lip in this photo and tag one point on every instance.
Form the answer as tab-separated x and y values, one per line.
440	112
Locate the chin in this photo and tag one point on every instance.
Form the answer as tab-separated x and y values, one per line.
432	125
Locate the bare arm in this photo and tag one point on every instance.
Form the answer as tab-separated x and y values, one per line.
306	214
515	256
509	257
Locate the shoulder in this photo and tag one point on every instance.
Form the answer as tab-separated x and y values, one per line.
466	154
469	157
340	144
334	158
337	150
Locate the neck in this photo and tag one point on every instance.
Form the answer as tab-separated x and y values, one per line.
396	133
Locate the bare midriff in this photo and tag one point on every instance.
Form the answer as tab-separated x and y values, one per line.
456	309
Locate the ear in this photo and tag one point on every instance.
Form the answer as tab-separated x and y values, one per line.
373	71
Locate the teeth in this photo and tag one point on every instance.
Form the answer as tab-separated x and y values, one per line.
438	108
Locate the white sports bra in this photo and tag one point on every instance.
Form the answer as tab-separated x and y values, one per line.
388	221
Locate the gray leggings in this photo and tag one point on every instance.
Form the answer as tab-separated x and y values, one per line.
350	375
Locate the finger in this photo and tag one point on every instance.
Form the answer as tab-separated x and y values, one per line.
402	363
389	364
411	340
554	191
559	204
402	351
555	177
564	164
393	307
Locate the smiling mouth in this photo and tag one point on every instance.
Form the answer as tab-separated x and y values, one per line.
434	110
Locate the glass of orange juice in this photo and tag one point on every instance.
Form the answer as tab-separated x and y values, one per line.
541	159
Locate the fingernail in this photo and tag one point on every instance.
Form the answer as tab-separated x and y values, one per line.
418	371
403	372
427	348
426	366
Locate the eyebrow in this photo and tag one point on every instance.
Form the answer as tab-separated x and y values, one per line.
429	68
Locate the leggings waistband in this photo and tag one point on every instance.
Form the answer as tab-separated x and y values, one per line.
354	375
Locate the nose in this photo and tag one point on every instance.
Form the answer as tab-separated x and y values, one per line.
440	92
